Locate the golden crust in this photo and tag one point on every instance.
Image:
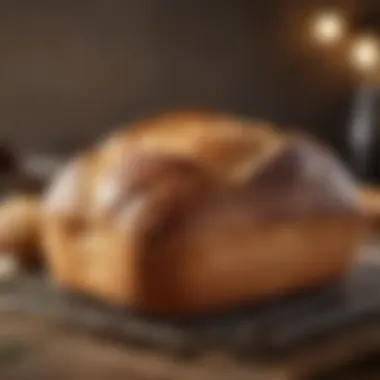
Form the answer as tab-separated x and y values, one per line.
20	228
195	212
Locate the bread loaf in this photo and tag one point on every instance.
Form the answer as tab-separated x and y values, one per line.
193	213
370	198
20	229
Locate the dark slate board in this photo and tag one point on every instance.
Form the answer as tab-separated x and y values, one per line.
270	327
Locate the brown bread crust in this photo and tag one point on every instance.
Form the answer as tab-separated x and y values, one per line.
20	223
194	213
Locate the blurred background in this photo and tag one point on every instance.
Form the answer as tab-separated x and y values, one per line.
70	70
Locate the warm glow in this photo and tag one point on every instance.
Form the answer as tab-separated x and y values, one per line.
328	27
365	53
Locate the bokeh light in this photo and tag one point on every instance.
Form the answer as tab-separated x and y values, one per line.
365	53
328	27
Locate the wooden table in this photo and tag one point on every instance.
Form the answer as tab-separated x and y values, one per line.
38	348
35	349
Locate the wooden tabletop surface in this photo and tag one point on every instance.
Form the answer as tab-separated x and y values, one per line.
32	348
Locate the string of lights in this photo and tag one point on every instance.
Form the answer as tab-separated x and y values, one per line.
330	27
361	42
